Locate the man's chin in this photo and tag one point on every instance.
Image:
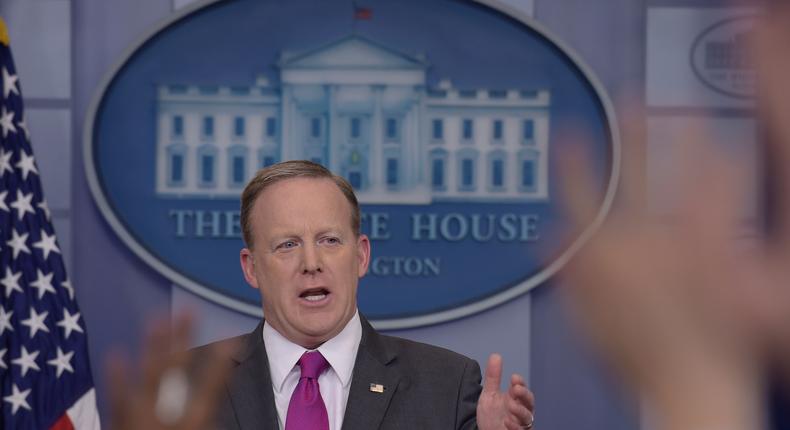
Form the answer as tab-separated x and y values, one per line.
313	341
320	333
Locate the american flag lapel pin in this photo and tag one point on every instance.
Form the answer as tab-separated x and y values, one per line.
376	388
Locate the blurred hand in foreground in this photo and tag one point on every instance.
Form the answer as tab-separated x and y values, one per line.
682	307
160	397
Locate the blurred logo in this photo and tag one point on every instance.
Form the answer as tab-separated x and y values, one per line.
720	57
450	143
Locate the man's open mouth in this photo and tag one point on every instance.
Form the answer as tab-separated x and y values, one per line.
315	294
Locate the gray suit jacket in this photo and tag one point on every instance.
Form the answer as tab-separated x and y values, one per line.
426	387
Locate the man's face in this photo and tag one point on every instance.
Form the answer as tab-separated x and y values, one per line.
306	260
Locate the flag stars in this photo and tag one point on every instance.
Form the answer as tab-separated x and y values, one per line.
5	320
5	162
11	282
47	244
62	362
23	204
67	286
70	323
7	122
36	322
18	243
9	83
27	164
43	283
18	399
27	361
22	125
45	208
34	352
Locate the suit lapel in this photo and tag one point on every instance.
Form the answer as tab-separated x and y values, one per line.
250	388
366	408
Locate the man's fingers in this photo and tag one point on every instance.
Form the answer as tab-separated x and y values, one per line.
166	345
511	424
520	402
517	409
116	369
772	35
631	189
493	376
180	339
581	187
203	405
518	419
579	196
516	379
520	393
773	65
154	358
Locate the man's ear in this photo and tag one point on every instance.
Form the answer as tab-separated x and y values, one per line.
363	254
247	260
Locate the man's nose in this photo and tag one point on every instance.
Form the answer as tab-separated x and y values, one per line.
311	259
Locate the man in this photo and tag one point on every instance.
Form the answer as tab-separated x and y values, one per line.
315	362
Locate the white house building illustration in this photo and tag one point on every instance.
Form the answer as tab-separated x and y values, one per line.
364	111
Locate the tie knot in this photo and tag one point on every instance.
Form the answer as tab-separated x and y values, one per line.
312	364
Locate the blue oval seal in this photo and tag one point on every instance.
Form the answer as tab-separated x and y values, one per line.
444	116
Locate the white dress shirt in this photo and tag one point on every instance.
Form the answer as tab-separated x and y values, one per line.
334	383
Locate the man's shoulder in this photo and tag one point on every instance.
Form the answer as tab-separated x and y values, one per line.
233	343
437	386
230	349
413	355
408	345
424	353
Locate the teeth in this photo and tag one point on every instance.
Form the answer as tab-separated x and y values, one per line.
315	298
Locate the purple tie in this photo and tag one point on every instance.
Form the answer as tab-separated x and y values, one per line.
307	411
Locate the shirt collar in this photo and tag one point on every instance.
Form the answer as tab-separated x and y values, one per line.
340	352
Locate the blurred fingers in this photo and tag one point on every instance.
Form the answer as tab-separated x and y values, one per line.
116	371
772	36
205	398
154	359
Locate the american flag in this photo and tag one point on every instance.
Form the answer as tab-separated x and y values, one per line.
361	13
45	376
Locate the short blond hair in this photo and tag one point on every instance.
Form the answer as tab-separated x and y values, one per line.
270	175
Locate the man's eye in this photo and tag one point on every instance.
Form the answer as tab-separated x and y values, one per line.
288	245
332	240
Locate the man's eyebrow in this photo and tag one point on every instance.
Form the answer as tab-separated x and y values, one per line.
276	236
333	230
